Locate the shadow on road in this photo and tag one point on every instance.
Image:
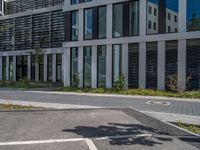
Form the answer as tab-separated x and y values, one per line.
114	129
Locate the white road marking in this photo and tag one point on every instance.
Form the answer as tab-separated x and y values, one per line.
124	136
90	144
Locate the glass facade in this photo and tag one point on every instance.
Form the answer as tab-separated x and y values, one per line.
101	66
79	1
41	69
74	67
21	70
162	16
32	68
102	22
74	26
11	69
134	18
116	62
4	68
87	73
193	15
88	24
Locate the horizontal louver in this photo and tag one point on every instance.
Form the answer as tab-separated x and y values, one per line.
133	67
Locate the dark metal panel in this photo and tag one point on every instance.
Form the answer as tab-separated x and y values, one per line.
67	26
95	22
126	19
162	16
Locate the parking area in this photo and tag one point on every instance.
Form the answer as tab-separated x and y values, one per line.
93	129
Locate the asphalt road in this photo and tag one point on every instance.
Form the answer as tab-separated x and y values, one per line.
175	107
101	129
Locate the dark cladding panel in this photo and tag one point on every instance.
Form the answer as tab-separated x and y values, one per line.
67	26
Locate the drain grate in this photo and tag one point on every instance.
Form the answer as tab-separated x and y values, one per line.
158	103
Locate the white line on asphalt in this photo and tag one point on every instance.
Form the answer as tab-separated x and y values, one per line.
124	136
90	144
41	142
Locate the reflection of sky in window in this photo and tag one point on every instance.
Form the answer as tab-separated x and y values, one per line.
193	6
170	4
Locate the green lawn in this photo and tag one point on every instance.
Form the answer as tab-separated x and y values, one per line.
144	92
191	128
14	107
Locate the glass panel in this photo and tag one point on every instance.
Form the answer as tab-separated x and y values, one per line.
87	66
58	67
49	67
193	15
21	70
41	69
4	67
101	68
134	18
11	69
116	61
88	24
74	67
74	2
75	25
32	69
117	20
102	22
164	17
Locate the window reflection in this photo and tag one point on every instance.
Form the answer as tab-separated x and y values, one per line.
88	19
193	15
74	67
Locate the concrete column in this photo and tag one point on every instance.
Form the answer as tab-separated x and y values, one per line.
45	67
29	68
161	65
125	62
182	64
66	56
182	16
7	68
109	21
36	71
14	67
80	22
1	68
94	66
143	7
54	68
109	66
142	65
80	66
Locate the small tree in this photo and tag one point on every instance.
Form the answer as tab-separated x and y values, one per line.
37	54
120	82
75	80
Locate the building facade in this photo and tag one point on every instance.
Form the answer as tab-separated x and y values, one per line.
91	42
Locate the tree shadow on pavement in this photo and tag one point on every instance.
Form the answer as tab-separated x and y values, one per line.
128	134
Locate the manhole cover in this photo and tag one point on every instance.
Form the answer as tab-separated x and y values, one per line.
158	103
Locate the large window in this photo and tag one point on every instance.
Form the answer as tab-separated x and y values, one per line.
95	23
87	66
193	15
41	69
79	1
74	67
58	67
74	26
49	67
4	67
11	68
118	20
126	19
88	24
116	61
102	22
21	70
101	66
164	17
32	68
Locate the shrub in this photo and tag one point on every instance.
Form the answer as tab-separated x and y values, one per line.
119	84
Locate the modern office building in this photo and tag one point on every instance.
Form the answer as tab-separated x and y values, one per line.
92	41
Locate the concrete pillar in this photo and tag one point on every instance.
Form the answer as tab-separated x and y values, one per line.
66	56
36	71
161	65
1	68
29	68
143	7
80	22
45	67
80	66
182	16
54	68
94	66
182	65
109	21
109	66
62	67
14	67
125	62
7	68
142	65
